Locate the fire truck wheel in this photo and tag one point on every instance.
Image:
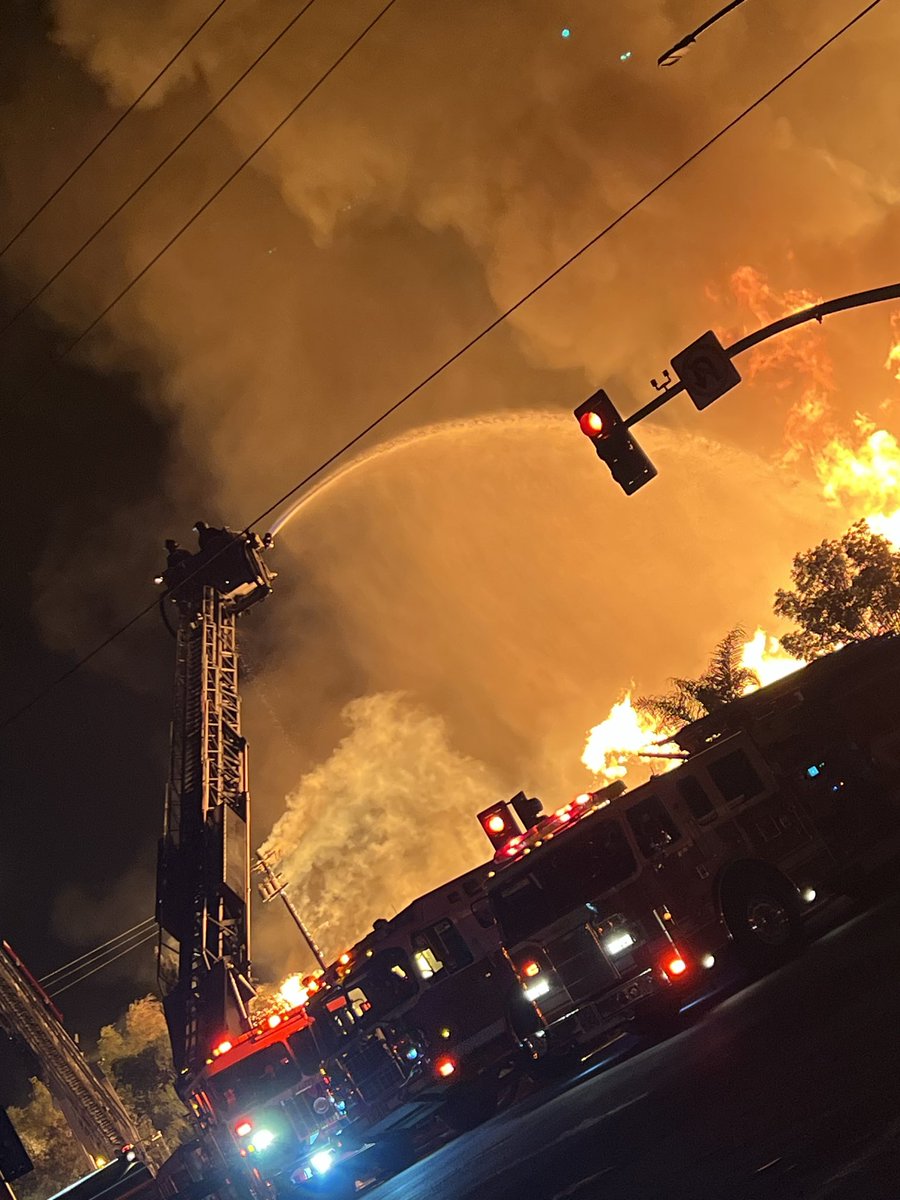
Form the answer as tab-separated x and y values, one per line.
660	1021
762	912
554	1066
471	1104
393	1153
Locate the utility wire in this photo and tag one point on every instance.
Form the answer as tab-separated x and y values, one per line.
229	180
151	937
588	245
64	970
23	308
87	968
112	129
39	696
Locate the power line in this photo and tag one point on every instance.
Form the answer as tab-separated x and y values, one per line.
588	245
112	129
81	978
122	629
23	308
448	362
229	180
67	968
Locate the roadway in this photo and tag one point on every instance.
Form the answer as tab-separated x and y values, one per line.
788	1088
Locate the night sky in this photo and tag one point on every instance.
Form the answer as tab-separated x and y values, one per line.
479	593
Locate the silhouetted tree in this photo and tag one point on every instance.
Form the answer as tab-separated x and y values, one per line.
724	679
845	589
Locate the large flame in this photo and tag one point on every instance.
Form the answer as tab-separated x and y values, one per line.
628	738
865	478
623	739
764	656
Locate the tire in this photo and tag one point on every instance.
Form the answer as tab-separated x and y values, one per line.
659	1021
471	1104
762	912
554	1066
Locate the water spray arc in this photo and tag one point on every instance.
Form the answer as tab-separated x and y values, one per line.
535	418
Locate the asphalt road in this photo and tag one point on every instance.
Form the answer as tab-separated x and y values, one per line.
789	1087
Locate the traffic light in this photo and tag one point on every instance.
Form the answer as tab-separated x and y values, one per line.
14	1160
602	423
499	823
527	808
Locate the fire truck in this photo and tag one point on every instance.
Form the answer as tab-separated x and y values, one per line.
612	908
267	1121
421	1019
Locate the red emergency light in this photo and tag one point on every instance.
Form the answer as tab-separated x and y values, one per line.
243	1128
499	823
445	1067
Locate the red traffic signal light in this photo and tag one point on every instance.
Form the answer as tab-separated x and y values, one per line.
499	823
601	421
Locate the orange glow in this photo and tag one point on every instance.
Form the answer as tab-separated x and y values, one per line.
344	959
591	424
445	1067
496	824
531	969
676	966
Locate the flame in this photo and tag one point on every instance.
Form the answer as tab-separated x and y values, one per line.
291	991
628	737
624	738
865	478
800	353
764	656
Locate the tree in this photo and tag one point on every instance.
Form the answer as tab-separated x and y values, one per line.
845	589
724	679
58	1158
135	1055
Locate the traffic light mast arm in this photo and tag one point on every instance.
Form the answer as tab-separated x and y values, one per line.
817	312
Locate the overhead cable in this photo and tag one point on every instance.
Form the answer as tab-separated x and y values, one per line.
112	129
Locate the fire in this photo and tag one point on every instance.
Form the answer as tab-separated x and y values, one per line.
292	992
624	738
865	478
628	737
763	655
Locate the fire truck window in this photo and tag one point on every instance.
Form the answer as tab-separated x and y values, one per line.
303	1045
577	868
257	1078
440	947
693	793
735	777
387	981
426	963
652	826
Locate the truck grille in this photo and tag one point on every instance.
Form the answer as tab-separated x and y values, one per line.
373	1069
581	965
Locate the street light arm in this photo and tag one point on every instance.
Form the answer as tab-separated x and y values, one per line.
890	291
817	312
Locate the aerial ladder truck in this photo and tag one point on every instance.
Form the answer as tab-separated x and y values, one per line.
203	878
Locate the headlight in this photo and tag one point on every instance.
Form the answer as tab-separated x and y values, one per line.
264	1139
322	1161
618	942
541	988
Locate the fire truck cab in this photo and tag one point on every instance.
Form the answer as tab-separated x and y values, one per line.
416	1022
611	908
264	1103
